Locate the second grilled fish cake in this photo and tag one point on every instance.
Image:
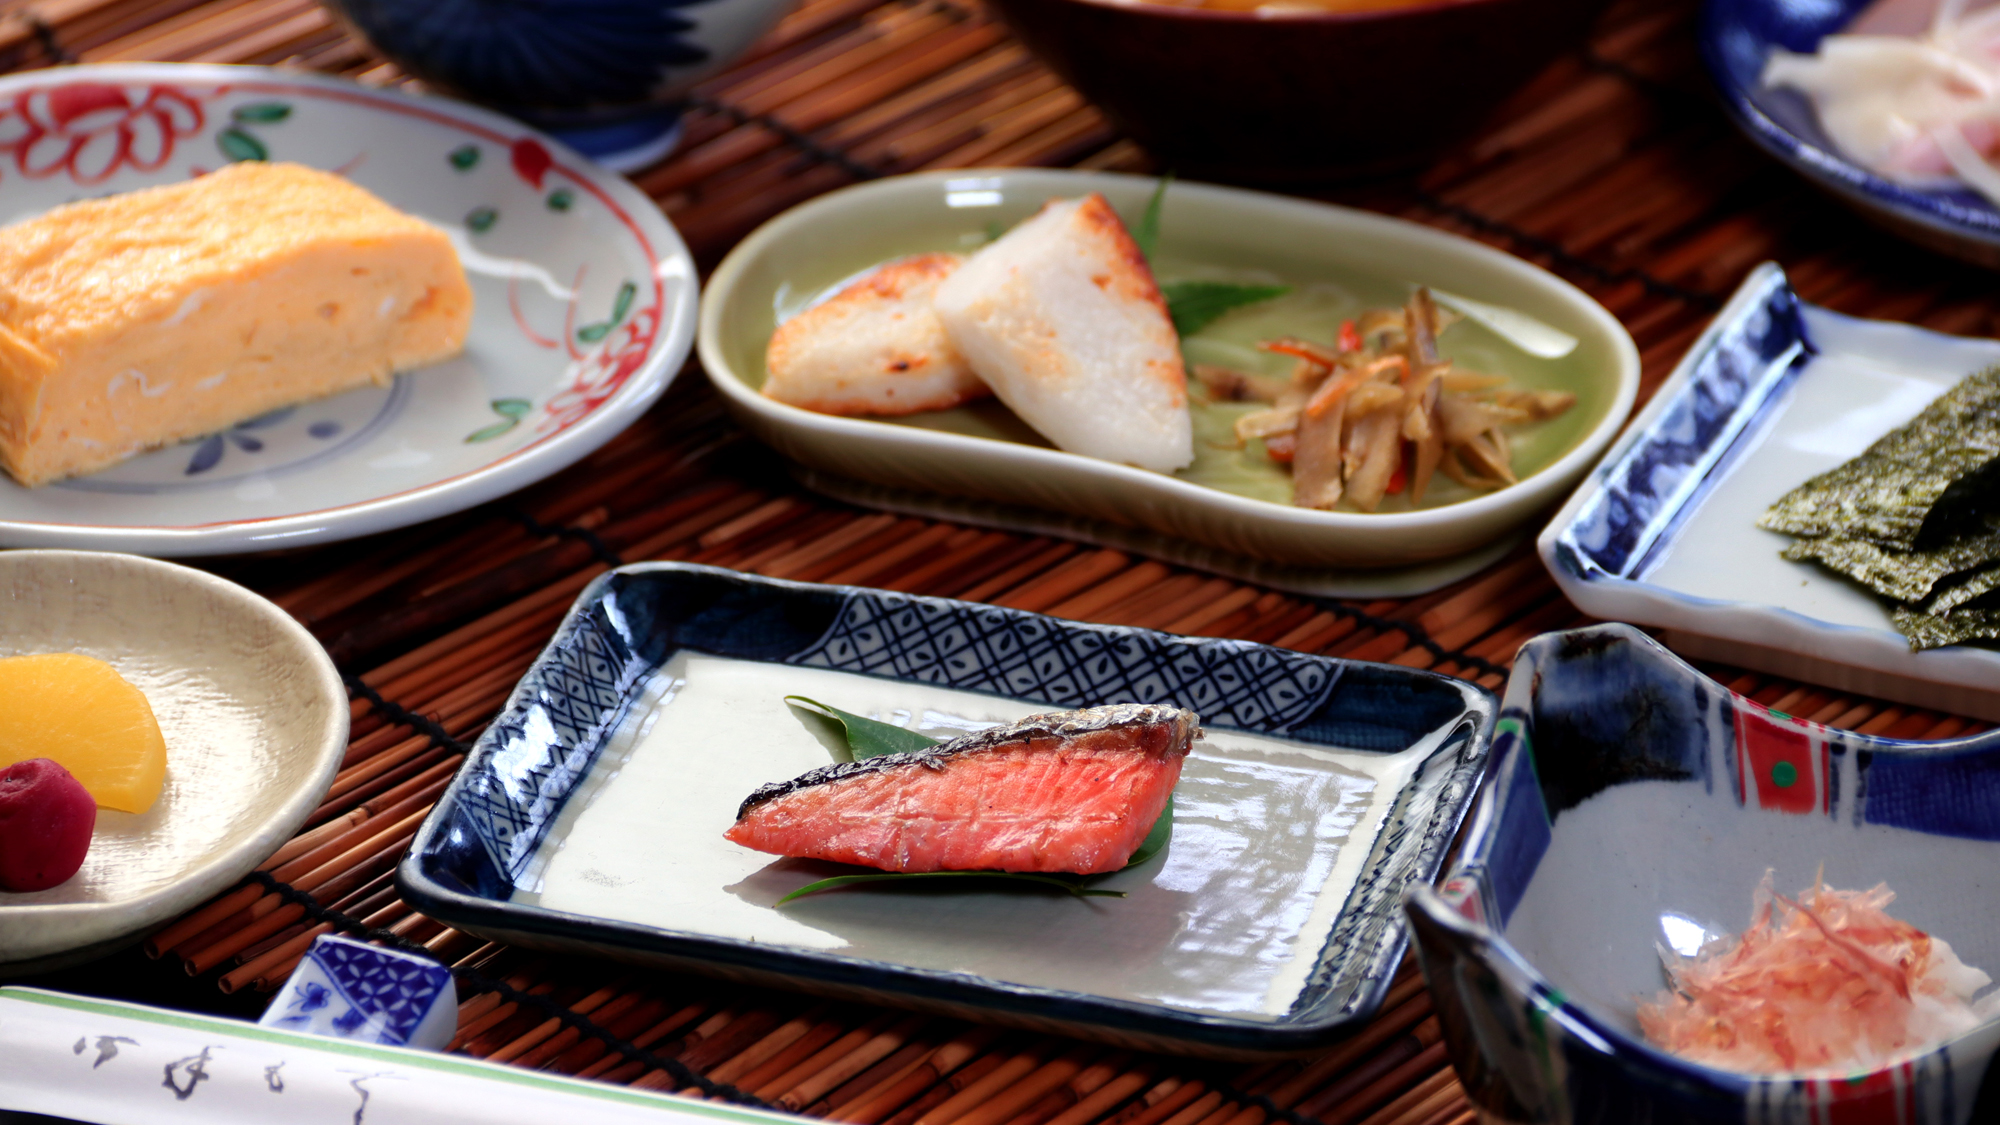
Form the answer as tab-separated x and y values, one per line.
1073	791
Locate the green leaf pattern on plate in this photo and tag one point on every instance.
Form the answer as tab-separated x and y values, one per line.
510	410
620	305
464	157
238	145
481	219
260	113
237	142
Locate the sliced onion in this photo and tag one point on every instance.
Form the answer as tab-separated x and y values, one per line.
1971	167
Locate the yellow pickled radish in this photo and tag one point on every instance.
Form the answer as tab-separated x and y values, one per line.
80	712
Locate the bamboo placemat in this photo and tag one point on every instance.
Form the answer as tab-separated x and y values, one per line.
1614	169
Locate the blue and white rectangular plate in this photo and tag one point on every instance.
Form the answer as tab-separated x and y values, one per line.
103	1062
1664	531
589	816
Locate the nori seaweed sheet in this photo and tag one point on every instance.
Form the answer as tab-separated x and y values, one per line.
1916	518
1907	576
1888	492
1930	631
1977	584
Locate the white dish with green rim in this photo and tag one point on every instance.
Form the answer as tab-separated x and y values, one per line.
71	1058
1338	262
584	302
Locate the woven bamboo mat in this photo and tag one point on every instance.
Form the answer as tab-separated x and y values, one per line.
1614	169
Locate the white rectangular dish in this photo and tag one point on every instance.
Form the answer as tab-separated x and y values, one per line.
1664	532
590	816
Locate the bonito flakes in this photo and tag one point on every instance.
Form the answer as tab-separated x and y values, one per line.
1825	983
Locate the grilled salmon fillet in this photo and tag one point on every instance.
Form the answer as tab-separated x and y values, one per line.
873	348
1072	791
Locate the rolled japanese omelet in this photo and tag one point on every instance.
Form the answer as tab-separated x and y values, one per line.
140	319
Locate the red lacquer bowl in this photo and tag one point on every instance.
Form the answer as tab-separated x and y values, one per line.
1297	96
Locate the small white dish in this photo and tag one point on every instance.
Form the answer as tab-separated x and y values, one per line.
255	720
1664	531
957	453
584	306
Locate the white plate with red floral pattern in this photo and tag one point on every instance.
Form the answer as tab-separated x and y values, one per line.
584	295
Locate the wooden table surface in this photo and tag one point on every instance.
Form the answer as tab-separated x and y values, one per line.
1615	169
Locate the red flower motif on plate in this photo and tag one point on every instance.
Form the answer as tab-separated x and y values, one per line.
90	130
597	376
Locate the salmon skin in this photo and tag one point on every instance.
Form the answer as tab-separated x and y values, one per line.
1072	791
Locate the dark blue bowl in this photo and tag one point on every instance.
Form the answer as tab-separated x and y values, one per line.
600	74
1737	36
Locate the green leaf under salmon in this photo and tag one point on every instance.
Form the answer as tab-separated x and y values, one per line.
873	738
866	738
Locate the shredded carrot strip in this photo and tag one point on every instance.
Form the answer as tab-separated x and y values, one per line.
1340	383
1304	349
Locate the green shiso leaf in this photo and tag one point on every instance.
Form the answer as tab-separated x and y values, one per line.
1163	830
1056	881
1195	304
1147	234
866	738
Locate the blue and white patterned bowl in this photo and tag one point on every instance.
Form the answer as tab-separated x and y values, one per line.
1737	36
589	816
1634	802
602	75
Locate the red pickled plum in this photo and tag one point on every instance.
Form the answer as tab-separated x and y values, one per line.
46	817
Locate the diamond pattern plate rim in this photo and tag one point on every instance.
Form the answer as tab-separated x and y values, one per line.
528	761
1006	652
